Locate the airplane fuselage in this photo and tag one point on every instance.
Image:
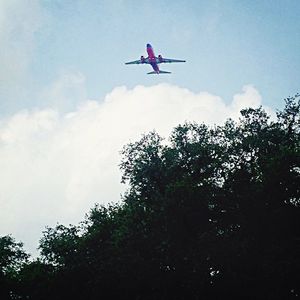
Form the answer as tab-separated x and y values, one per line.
152	58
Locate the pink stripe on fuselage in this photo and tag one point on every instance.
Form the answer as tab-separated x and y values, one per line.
152	59
150	52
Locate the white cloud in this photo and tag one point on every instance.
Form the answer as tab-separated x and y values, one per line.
54	166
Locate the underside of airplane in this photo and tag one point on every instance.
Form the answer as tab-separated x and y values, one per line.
154	61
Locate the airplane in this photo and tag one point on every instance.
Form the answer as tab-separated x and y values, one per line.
154	61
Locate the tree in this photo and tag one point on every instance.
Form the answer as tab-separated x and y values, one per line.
229	193
211	213
12	258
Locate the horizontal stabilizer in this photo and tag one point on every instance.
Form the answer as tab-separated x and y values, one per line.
160	72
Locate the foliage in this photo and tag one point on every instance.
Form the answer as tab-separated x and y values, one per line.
12	258
213	213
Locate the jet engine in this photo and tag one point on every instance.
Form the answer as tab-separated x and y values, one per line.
160	59
143	59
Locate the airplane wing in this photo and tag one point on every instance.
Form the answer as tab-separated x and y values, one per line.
137	62
170	60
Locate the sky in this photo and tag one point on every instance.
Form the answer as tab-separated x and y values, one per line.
68	103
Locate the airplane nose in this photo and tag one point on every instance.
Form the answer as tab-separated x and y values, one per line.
148	46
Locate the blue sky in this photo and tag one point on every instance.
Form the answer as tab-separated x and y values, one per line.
68	103
227	44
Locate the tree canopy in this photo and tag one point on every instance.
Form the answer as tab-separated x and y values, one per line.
211	213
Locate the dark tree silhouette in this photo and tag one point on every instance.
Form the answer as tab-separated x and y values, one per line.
213	213
12	258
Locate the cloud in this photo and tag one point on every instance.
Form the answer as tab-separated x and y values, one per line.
54	166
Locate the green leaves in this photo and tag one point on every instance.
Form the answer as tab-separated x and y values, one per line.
59	244
212	211
12	255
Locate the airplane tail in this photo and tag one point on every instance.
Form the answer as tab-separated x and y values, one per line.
160	72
